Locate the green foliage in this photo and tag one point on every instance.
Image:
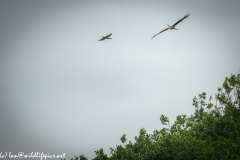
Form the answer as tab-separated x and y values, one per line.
123	138
81	157
100	155
212	132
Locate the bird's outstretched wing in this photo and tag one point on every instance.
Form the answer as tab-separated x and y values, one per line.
181	20
159	32
101	39
106	37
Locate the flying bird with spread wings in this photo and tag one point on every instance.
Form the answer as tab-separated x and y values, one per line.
173	26
106	37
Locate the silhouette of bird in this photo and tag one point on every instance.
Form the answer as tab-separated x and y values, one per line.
106	37
173	26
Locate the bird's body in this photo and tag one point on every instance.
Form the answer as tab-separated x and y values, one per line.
106	37
173	26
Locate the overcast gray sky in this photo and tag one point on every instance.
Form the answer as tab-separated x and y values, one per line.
63	91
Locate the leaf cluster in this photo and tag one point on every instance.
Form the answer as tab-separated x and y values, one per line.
211	132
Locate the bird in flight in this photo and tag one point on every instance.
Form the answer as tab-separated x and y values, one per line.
173	26
106	37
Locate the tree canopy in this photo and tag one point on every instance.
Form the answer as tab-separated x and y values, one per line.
211	132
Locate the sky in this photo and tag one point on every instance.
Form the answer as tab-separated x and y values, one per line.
64	91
